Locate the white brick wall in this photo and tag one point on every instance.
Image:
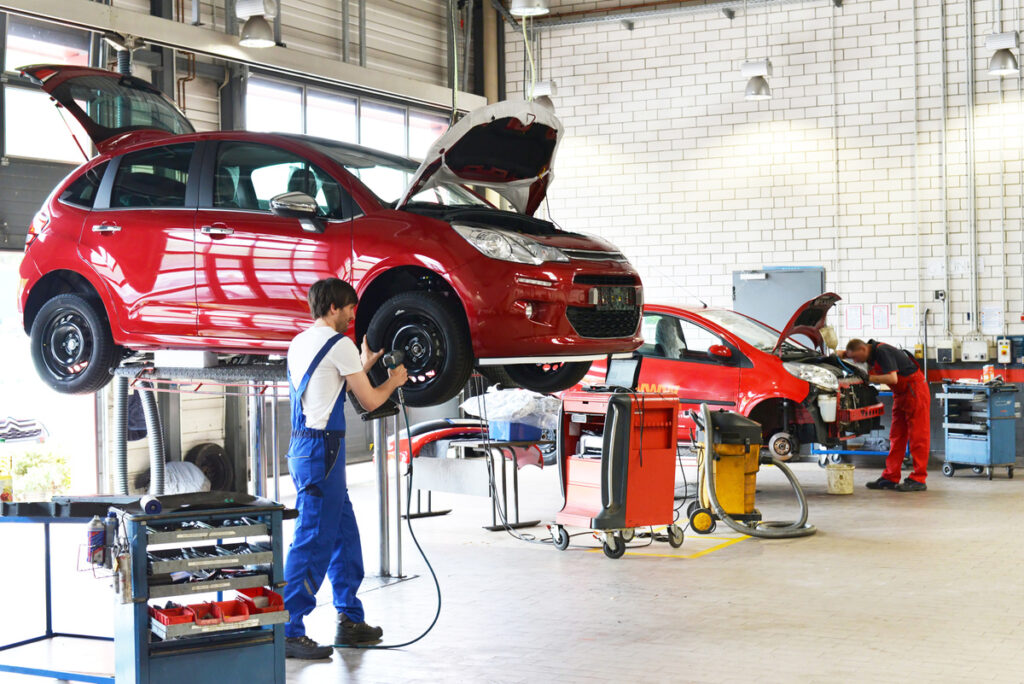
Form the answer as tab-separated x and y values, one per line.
663	155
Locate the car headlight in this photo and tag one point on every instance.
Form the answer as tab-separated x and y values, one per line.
506	246
819	377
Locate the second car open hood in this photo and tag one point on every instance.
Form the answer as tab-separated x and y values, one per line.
808	320
507	146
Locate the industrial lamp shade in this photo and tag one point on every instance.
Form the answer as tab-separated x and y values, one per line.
757	89
256	33
1003	63
528	8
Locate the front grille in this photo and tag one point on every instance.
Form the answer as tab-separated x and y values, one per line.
592	279
603	324
593	255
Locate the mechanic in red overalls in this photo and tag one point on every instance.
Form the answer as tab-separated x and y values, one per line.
911	402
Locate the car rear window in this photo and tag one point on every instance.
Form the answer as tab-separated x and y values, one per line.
82	191
154	177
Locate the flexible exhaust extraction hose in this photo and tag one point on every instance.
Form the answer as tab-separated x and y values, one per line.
766	529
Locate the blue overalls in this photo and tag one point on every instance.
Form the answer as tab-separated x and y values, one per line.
326	535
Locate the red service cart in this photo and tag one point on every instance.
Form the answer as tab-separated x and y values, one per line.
616	463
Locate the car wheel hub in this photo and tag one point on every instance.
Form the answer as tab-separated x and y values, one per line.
68	344
423	346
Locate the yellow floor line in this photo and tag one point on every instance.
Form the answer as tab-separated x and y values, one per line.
717	547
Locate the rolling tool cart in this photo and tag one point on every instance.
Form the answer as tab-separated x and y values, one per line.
616	465
980	425
194	550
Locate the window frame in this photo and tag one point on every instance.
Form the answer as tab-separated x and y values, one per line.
191	186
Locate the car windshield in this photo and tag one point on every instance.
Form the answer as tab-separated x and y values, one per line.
388	176
750	331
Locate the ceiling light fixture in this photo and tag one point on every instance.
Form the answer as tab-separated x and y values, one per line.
757	71
256	31
1003	62
529	8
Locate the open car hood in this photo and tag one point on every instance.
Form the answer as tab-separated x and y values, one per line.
113	109
507	146
808	320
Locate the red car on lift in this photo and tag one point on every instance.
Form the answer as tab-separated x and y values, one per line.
798	394
174	239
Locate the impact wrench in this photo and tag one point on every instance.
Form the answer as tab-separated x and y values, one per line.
392	360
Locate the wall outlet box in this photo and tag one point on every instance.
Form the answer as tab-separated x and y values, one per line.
976	349
184	358
947	351
1003	351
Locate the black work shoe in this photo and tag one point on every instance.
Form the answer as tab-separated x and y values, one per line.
882	483
909	485
305	648
356	633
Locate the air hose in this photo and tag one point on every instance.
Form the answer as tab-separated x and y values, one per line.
766	529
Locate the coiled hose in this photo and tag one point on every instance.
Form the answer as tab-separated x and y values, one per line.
121	434
766	529
156	439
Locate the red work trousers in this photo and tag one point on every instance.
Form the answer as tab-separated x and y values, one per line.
911	404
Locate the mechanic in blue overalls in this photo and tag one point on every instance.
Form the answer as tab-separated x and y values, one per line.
322	363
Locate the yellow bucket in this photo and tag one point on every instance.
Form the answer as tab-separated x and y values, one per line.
840	478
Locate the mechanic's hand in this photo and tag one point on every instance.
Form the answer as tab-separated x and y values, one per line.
398	375
368	356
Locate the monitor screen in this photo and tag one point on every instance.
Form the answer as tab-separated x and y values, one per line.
623	373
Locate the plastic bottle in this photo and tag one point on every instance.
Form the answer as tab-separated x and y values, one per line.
96	535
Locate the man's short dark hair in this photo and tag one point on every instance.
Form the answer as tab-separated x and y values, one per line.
329	291
855	344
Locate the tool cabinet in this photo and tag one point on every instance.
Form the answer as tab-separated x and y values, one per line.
980	424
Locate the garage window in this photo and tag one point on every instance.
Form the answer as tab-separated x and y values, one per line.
33	126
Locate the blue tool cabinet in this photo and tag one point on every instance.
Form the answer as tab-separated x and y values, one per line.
150	653
980	424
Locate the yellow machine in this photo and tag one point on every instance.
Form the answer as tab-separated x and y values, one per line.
731	443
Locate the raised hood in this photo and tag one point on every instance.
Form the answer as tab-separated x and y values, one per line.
808	320
507	146
113	109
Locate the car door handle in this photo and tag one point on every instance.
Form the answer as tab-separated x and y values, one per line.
217	230
106	228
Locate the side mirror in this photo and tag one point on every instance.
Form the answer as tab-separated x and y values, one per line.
720	350
298	205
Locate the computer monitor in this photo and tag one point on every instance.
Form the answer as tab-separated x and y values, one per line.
623	373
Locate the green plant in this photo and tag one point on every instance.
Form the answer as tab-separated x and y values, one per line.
40	475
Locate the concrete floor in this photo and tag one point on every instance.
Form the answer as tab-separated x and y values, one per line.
894	586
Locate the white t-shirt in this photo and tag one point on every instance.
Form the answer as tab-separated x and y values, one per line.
327	381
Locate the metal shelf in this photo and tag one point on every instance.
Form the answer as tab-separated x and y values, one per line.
208	586
191	629
201	534
228	560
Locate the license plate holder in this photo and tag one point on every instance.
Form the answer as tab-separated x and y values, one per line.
618	298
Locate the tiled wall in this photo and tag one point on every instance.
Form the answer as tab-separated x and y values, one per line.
663	155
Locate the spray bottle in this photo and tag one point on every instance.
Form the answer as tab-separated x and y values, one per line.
96	536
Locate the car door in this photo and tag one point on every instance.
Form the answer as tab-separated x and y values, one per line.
677	358
139	240
254	268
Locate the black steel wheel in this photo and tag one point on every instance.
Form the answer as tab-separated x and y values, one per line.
675	536
948	469
547	377
215	464
72	347
560	537
616	548
496	375
429	329
977	470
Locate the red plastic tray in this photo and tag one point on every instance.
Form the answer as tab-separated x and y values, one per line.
231	611
260	600
204	614
171	616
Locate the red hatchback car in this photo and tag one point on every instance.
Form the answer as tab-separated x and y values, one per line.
798	394
175	239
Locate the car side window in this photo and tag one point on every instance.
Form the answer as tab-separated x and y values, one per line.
662	337
82	191
697	340
248	175
154	177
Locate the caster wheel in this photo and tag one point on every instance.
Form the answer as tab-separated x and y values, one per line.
835	458
977	470
702	522
560	537
947	469
675	536
693	505
616	548
822	461
628	535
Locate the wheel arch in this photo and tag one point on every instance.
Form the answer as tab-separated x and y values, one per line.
61	281
387	283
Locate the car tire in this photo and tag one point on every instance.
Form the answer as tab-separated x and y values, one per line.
430	331
496	375
547	377
72	348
